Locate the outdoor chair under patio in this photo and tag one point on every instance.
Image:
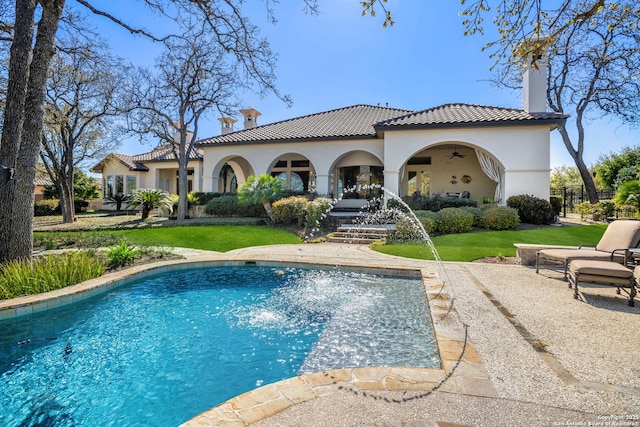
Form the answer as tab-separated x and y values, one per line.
619	236
603	273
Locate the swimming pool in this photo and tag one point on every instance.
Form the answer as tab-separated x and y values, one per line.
162	349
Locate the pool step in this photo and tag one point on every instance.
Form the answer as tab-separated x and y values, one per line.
358	234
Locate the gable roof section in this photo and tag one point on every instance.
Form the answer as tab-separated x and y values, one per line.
136	163
352	122
463	115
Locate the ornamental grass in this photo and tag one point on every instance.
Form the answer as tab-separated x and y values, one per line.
47	273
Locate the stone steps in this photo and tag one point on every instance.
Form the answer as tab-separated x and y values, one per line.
358	234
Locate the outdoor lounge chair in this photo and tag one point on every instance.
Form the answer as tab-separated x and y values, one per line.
619	236
603	273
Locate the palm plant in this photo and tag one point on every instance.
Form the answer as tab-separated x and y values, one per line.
117	199
261	189
148	198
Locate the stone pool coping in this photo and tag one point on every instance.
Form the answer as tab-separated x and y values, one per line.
462	369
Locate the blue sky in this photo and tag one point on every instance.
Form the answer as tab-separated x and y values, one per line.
340	58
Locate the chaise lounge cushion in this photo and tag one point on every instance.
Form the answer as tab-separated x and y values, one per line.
605	271
578	253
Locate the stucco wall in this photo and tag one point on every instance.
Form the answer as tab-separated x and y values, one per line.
260	157
523	151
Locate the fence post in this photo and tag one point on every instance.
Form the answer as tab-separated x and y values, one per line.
564	202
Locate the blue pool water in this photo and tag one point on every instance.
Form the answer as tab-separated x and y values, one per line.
162	349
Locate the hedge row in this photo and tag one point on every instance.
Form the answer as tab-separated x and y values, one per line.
457	220
435	203
52	207
229	206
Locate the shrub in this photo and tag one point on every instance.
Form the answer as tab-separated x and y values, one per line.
625	190
46	208
436	202
200	198
606	209
500	218
291	210
317	211
596	212
454	220
406	229
222	206
229	206
120	255
556	203
47	273
429	220
477	214
531	209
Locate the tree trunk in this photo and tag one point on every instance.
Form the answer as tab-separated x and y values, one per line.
267	207
183	177
21	236
14	114
587	178
66	200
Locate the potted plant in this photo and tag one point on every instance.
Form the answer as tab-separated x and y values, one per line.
486	200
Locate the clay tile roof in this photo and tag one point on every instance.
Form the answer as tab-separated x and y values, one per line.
136	162
356	121
456	115
42	179
162	154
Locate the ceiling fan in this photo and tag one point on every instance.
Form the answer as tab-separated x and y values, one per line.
456	154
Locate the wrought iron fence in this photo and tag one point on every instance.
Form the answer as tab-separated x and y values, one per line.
572	197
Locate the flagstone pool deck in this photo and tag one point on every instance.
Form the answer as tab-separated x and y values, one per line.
517	350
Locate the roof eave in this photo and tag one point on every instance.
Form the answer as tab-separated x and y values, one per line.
555	122
289	140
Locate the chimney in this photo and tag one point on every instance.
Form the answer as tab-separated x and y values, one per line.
250	117
227	124
176	133
534	76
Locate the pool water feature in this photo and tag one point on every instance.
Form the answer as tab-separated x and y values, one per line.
162	349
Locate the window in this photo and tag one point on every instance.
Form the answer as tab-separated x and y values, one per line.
107	188
119	184
297	184
131	184
418	180
420	160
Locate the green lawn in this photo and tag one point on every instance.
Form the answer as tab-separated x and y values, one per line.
221	238
451	247
470	246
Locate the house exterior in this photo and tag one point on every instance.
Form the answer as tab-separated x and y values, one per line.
121	173
475	150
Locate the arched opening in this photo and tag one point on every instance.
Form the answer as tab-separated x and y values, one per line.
355	170
231	173
296	171
452	169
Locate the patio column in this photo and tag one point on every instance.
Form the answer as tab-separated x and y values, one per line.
391	182
322	184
